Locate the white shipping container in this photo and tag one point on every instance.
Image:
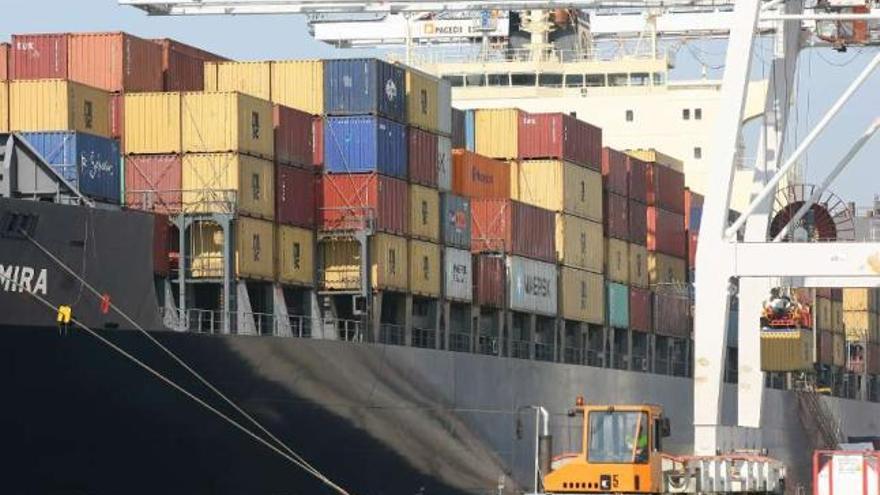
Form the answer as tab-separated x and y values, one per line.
444	107
849	473
444	163
531	285
458	282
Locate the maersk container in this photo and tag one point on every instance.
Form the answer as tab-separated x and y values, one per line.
637	179
349	201
365	86
638	223
115	62
532	286
293	136
422	156
614	171
787	350
476	176
640	309
458	283
582	296
295	196
559	136
470	130
153	183
365	144
616	213
39	56
459	133
666	232
665	188
514	228
489	280
88	162
455	221
444	163
617	298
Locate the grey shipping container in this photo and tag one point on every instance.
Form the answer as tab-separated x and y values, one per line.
532	286
458	275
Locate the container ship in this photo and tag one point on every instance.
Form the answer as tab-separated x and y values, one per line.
191	245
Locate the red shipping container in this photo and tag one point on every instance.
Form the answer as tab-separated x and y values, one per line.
825	352
557	135
476	176
293	136
117	118
614	171
616	220
640	310
692	249
115	62
665	188
638	223
671	314
693	208
504	225
39	56
161	244
666	232
153	183
317	141
184	65
346	200
422	152
4	61
637	177
295	196
489	278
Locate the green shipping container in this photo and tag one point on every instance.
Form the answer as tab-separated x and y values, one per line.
618	305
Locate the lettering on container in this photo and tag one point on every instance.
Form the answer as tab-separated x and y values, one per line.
458	220
460	274
347	81
390	90
16	278
537	286
94	165
478	176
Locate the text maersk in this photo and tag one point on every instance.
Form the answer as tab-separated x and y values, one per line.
17	278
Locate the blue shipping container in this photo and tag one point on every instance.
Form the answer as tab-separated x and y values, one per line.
455	214
365	86
90	163
618	305
696	215
470	134
365	144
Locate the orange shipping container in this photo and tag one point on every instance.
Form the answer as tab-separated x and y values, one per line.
476	176
115	62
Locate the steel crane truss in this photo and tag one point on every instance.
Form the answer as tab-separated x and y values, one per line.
757	262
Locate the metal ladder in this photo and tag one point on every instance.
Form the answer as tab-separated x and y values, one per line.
815	416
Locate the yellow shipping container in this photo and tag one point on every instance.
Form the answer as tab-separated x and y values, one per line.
152	123
790	350
213	182
4	106
58	105
837	317
299	84
388	264
859	325
558	186
638	266
254	249
823	314
583	296
579	243
497	133
617	261
424	268
424	213
422	100
654	156
220	122
665	269
858	299
250	78
210	76
295	256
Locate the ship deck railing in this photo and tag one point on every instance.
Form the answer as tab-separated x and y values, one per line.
425	338
459	342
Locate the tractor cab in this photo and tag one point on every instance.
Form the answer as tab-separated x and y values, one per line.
620	451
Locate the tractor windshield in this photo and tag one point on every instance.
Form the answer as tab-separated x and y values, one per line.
618	437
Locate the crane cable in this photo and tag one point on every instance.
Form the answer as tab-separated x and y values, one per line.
290	453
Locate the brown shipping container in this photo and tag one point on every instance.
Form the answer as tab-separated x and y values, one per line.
638	223
836	294
161	244
345	201
823	292
501	225
874	359
825	352
666	232
640	309
616	216
115	62
476	176
317	141
422	153
293	136
671	314
489	277
153	183
614	171
39	56
184	65
117	118
557	135
4	61
637	179
665	188
295	196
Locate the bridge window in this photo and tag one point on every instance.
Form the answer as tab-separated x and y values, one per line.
574	80
640	79
698	114
686	114
618	79
594	80
698	153
629	115
475	80
550	80
454	81
523	79
499	79
659	79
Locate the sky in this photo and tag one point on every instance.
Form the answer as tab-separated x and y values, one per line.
822	73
